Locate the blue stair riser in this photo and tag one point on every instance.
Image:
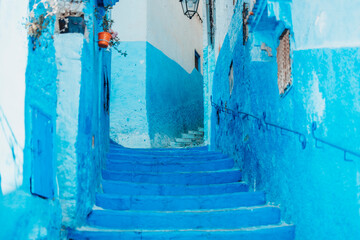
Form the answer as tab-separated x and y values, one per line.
227	219
170	166
272	233
179	152
168	203
196	178
113	187
203	149
122	156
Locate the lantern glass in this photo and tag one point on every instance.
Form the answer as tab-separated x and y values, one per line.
190	7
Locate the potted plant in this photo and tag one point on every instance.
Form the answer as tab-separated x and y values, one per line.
104	37
109	38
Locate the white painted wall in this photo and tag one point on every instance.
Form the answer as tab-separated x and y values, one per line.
169	30
224	10
13	60
163	24
325	25
68	61
130	19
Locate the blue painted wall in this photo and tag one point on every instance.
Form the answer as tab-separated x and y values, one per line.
64	80
153	99
316	188
174	98
128	120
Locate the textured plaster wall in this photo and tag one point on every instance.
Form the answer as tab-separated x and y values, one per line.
128	119
13	60
151	97
174	98
170	31
160	42
326	23
22	216
63	81
82	122
223	13
316	189
130	19
68	59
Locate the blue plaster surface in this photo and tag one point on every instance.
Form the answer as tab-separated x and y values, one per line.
128	121
23	215
63	81
153	99
174	98
318	191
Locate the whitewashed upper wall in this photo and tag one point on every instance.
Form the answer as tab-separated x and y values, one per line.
13	60
163	24
130	19
224	10
173	33
321	24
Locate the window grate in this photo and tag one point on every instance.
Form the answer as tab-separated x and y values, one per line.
284	62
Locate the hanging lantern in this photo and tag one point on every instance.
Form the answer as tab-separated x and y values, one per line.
190	7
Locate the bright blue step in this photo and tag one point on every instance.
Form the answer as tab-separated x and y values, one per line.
168	203
148	166
196	178
172	152
122	157
117	187
271	232
158	150
194	219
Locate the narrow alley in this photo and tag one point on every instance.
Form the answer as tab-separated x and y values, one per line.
180	119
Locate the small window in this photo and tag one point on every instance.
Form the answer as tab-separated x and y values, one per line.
72	24
231	77
197	61
284	63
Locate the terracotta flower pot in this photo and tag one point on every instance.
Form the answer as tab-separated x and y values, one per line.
104	39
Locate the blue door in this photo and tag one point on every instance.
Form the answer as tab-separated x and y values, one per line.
42	180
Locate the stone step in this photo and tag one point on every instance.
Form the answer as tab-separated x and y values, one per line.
203	149
189	136
269	232
196	178
163	153
200	129
189	219
196	133
160	166
129	188
179	145
183	140
195	158
174	203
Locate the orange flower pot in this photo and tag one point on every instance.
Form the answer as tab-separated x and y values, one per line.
104	39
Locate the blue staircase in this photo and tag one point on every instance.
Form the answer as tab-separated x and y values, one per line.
178	194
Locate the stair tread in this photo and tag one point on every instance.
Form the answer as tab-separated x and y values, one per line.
199	218
254	228
121	187
186	202
163	166
201	177
269	232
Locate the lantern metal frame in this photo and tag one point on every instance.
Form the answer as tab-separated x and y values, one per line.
192	11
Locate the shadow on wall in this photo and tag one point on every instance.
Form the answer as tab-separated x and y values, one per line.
174	98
